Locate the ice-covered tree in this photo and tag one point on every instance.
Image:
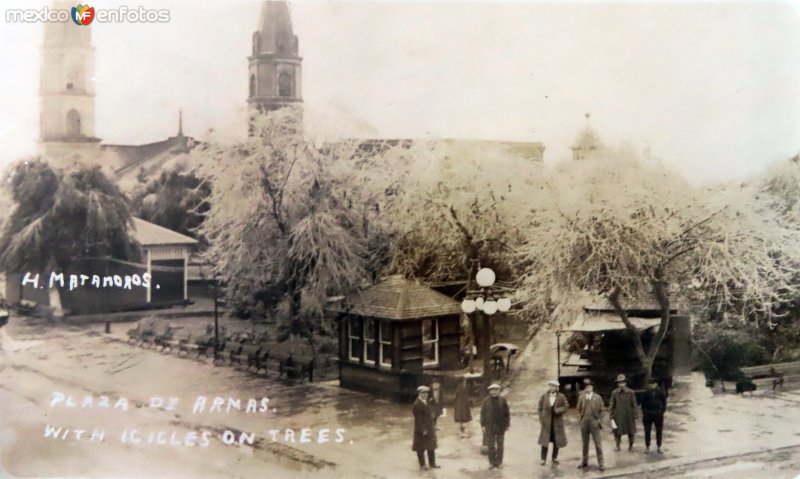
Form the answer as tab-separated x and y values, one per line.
277	218
175	200
625	229
60	217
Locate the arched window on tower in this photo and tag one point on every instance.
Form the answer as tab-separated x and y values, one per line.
252	86
285	85
73	123
256	43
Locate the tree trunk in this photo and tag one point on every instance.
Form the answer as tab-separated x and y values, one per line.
662	294
634	332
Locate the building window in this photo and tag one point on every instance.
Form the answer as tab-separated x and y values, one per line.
285	85
73	123
354	338
252	86
256	43
430	342
369	341
385	340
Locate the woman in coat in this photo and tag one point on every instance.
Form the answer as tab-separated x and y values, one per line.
424	430
462	413
622	410
552	407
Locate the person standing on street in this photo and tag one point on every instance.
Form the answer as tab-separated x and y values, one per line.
590	412
622	409
552	406
495	421
424	430
654	403
461	411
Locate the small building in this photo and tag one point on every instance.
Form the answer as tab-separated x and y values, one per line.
165	256
392	333
599	346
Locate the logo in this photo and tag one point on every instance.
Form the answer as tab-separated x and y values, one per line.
82	14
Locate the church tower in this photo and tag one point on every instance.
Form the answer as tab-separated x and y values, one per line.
66	123
275	65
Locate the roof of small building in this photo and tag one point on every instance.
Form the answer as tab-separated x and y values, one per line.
149	234
398	298
645	302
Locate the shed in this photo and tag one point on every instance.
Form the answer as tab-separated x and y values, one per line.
392	332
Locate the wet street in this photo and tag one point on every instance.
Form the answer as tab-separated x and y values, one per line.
706	435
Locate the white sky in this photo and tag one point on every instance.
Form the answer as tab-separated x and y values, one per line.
711	88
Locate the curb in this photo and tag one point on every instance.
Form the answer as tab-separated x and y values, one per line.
683	463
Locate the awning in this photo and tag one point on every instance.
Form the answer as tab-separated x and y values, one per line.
599	322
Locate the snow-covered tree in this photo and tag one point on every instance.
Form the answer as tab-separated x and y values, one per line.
625	229
277	219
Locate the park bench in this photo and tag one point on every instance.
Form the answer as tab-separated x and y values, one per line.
157	336
776	374
251	353
295	367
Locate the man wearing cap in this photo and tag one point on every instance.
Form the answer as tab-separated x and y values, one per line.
654	403
590	412
552	406
424	431
495	421
622	409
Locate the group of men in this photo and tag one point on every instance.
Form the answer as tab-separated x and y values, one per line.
496	420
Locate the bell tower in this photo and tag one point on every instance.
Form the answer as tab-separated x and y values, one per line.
274	73
66	123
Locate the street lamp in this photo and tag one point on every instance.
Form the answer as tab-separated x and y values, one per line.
486	302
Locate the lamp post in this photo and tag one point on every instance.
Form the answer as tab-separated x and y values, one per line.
485	301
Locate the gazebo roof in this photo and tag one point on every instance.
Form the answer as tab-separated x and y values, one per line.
398	298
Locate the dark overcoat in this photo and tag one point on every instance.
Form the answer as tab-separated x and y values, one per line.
495	415
424	432
461	410
622	409
556	413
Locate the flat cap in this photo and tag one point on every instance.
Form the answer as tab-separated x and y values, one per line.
423	388
494	386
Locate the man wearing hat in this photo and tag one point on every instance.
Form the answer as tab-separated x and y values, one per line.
622	409
654	403
495	421
424	430
552	406
590	412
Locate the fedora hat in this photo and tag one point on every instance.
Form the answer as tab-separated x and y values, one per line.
423	389
621	378
553	383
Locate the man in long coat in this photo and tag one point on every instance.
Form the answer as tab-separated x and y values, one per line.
424	430
552	406
622	409
590	413
495	421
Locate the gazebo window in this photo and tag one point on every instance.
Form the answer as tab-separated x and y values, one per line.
385	339
369	341
354	338
430	342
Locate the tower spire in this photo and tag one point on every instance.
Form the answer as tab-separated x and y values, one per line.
275	64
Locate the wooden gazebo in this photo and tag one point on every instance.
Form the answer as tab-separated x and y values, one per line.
391	332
